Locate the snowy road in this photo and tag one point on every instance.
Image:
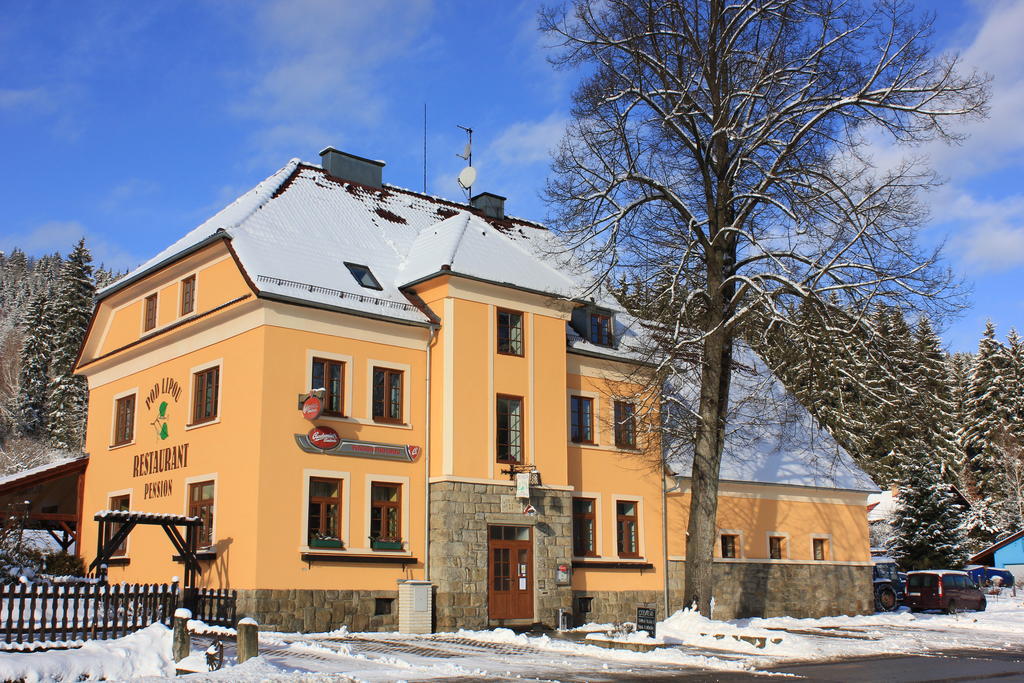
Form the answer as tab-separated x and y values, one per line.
688	646
899	647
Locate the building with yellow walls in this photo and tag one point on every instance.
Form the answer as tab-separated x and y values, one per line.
353	386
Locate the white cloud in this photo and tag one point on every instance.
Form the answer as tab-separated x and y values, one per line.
61	236
322	66
991	237
130	191
21	98
529	142
998	141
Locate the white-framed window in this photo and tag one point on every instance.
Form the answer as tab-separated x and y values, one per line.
205	398
730	544
188	295
150	311
122	426
319	523
587	529
118	500
583	410
334	372
382	495
628	514
201	493
777	545
821	547
388	396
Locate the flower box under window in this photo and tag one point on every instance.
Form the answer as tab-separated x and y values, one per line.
326	543
385	544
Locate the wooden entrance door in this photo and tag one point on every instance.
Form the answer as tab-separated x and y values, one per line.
510	572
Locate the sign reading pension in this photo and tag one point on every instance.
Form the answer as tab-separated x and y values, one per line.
359	449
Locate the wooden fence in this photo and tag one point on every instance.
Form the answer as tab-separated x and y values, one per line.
62	613
214	606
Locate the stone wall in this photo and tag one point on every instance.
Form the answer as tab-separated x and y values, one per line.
460	514
747	589
311	611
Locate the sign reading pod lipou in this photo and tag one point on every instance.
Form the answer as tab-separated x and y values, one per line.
326	440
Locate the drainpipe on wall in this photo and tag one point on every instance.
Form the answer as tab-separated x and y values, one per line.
665	490
426	461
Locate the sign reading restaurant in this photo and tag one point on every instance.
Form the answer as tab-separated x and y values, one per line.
160	460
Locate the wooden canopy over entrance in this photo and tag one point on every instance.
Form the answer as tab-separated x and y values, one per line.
48	498
116	525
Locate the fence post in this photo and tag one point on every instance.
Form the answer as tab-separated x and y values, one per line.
248	639
181	644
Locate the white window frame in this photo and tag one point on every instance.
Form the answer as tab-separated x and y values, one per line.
131	498
596	397
346	509
829	553
348	381
113	421
195	294
640	536
406	392
598	527
187	485
740	555
142	319
219	363
368	504
784	535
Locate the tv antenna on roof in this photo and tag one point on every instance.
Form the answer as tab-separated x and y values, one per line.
467	176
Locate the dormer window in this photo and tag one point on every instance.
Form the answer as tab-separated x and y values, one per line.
363	276
601	329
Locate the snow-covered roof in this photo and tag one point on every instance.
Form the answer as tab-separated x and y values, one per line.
881	506
294	232
772	439
1001	543
13	479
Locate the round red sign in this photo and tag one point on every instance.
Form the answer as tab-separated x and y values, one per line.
311	408
324	438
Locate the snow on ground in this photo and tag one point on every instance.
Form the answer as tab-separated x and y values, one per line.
685	642
143	653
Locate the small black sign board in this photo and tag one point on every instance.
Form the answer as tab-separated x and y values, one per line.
647	620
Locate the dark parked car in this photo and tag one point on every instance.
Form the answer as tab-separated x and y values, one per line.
943	589
888	585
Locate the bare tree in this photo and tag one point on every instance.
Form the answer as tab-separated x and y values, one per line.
717	159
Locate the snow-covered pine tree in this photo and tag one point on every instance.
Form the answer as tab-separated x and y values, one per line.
934	408
927	530
34	378
70	311
982	437
891	427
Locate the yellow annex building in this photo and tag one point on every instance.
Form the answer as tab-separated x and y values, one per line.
356	387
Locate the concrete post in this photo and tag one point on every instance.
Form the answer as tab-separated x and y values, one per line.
182	644
248	639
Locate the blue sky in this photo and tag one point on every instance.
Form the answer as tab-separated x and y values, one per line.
130	123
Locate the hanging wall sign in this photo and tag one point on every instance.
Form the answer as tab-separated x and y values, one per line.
312	407
358	449
323	438
522	485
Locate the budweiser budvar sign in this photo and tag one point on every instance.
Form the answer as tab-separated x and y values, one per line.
312	407
326	440
323	438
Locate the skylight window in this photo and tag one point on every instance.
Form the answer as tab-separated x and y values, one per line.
363	276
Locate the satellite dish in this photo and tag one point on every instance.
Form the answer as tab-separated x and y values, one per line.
467	177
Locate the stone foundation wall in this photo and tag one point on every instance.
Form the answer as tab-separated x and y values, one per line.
310	611
748	589
460	514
